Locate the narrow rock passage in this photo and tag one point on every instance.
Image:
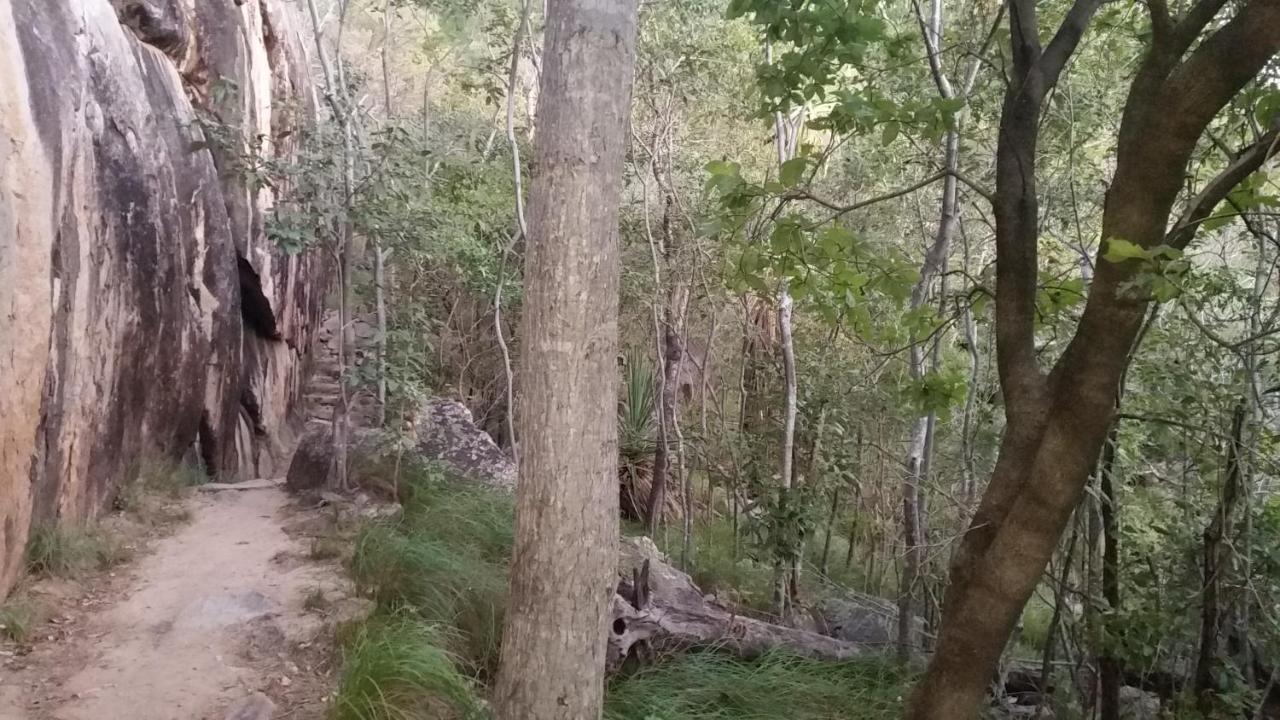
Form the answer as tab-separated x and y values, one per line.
214	614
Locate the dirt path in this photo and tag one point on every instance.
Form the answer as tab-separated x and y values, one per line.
227	606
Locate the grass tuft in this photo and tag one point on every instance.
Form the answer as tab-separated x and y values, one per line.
394	669
17	621
70	552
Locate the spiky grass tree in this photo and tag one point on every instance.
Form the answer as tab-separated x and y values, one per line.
636	427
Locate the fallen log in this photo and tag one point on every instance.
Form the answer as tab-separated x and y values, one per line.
659	607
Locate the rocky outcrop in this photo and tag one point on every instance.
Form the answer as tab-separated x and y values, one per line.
142	308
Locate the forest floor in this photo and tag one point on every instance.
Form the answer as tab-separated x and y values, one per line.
212	617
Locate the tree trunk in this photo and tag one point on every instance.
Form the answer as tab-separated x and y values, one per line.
672	356
1059	606
564	566
1109	670
853	527
824	566
379	254
914	494
781	594
343	252
1217	559
1057	422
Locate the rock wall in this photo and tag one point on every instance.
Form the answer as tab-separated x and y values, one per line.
142	308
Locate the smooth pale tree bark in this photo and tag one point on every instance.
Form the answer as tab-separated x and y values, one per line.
783	587
914	492
564	565
1057	421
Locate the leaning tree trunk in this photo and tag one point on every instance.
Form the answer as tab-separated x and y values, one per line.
564	567
1057	422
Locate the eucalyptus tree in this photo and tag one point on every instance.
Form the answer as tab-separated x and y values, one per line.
564	564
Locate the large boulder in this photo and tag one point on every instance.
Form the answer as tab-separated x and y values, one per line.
861	618
143	310
446	432
313	464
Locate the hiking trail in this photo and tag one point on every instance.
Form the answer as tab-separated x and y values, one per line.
225	615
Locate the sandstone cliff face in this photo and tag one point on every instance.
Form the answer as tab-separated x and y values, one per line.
142	309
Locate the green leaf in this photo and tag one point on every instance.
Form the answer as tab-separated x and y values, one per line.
792	171
722	167
890	132
1120	250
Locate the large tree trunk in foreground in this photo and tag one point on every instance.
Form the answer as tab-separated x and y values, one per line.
562	576
1057	422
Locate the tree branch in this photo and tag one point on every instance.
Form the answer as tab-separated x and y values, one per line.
1024	35
1220	66
1161	21
839	209
1065	40
1188	28
1247	161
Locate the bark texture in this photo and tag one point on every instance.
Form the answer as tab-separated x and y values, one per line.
142	308
562	579
1057	421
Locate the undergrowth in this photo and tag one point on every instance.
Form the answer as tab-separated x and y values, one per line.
438	576
728	569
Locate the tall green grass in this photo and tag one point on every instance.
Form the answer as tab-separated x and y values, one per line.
444	562
394	669
711	686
